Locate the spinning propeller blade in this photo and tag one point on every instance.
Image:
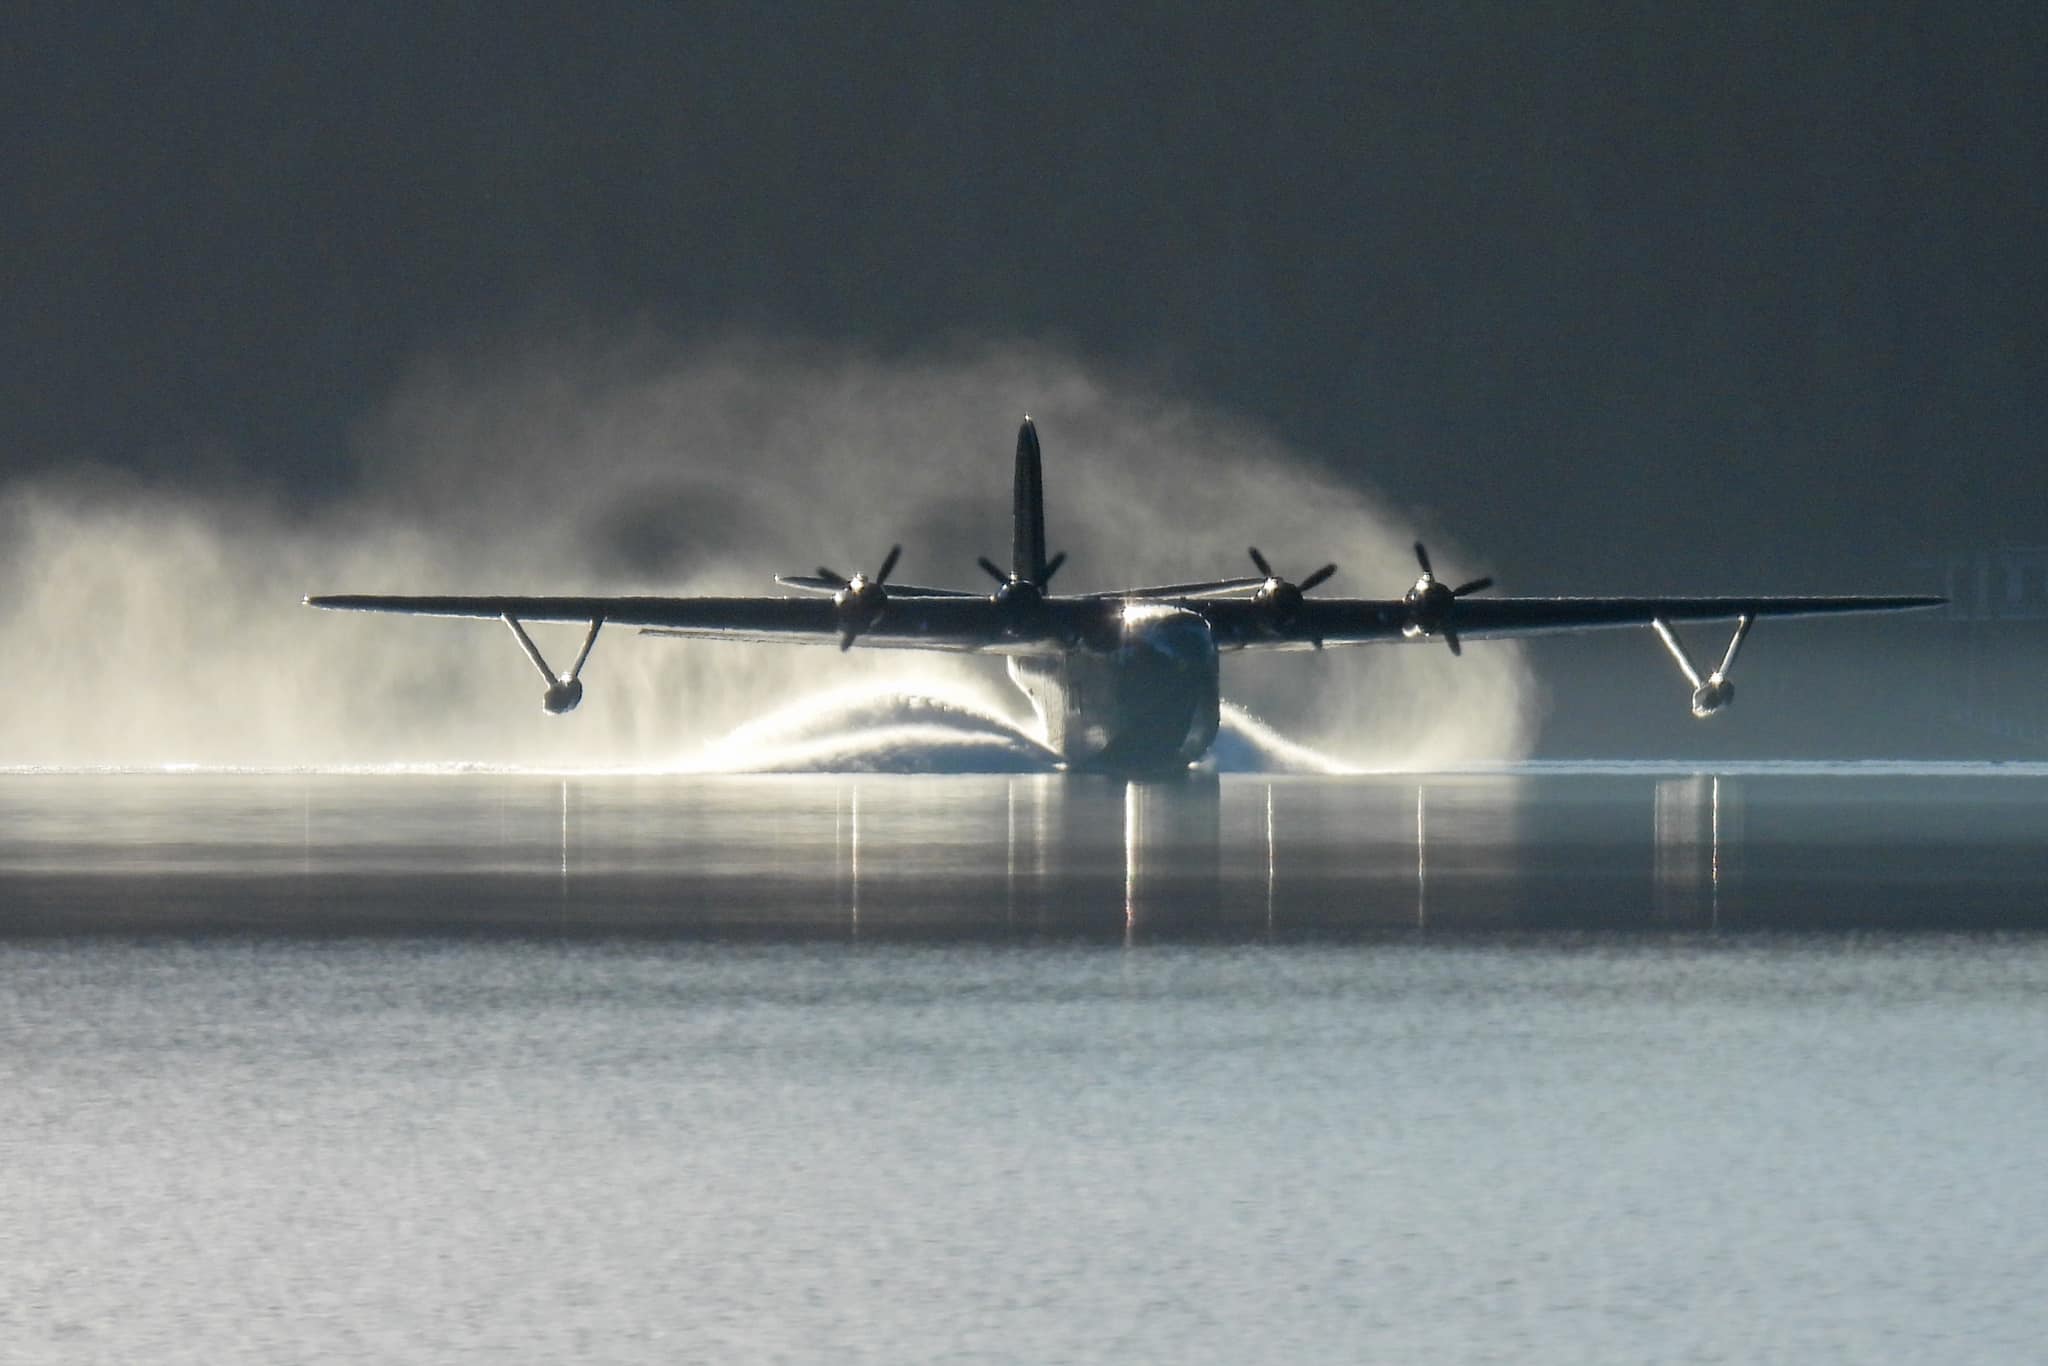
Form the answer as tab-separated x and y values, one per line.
859	601
1430	603
1281	599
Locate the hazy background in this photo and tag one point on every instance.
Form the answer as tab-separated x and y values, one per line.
447	298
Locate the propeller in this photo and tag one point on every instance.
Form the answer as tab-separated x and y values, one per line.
1429	603
1281	599
861	600
995	571
1016	594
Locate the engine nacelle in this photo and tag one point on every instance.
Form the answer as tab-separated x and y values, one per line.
562	697
859	605
1280	601
1712	695
1022	605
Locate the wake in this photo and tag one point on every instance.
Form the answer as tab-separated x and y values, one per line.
893	728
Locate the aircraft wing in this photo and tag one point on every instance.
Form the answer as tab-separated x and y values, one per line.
963	623
1243	624
975	624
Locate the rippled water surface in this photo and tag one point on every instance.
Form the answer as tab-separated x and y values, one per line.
1555	1069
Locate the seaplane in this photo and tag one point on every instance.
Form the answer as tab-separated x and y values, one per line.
1125	681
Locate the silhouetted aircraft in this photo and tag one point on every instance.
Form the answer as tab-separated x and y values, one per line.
1124	681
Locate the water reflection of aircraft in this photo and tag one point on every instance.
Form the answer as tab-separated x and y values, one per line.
1698	838
1218	859
1126	680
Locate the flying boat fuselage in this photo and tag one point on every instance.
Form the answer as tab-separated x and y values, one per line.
1150	702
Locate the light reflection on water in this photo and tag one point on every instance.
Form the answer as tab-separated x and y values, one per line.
1241	857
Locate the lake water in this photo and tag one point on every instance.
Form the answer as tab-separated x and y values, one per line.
1554	1067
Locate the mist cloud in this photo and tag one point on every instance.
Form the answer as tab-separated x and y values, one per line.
155	625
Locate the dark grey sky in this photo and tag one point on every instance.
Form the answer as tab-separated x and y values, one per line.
1644	298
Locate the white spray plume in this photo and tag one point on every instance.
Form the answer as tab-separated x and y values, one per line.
152	627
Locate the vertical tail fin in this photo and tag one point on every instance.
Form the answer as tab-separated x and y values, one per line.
1027	516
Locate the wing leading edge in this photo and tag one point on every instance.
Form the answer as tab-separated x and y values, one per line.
1243	624
966	623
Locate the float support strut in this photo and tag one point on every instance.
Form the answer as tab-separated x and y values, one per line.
540	662
1742	625
1713	692
1662	626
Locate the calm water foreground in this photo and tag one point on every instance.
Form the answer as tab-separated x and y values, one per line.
1519	1069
